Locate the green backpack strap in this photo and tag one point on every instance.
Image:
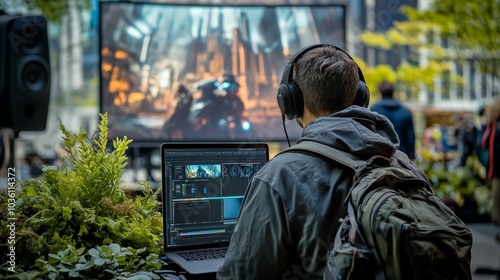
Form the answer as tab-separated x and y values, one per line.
345	158
338	156
327	151
355	235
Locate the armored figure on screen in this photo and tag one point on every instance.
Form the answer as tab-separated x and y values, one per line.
201	173
248	171
207	89
235	171
203	109
221	112
228	89
175	127
206	100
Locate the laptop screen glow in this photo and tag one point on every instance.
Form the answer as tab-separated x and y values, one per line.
203	187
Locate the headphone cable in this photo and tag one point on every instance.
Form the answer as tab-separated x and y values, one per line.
284	128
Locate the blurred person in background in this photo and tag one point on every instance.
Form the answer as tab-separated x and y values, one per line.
6	139
491	142
400	117
466	134
34	162
481	152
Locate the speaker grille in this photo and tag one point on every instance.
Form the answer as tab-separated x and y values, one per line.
33	75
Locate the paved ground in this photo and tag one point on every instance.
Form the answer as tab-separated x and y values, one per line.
485	250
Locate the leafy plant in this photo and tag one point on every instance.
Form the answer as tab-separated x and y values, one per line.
455	185
81	204
484	198
103	262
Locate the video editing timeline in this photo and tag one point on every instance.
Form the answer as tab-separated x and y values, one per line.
206	188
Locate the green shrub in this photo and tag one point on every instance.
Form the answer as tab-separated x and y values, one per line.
458	186
76	221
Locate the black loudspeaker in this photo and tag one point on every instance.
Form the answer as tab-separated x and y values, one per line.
24	73
289	97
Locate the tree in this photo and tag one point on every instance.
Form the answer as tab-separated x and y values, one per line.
448	31
472	26
52	9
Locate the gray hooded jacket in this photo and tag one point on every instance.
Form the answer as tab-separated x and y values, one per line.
292	206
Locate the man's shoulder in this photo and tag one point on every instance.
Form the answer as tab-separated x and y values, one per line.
294	157
290	164
288	160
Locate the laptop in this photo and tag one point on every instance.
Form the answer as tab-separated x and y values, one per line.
203	185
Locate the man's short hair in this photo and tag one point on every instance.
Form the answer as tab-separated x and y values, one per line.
328	79
386	88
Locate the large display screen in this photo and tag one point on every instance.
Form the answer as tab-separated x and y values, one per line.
203	72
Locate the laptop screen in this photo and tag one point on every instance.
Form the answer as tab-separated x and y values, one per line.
203	187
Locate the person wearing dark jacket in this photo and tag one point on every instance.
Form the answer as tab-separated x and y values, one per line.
491	142
400	117
292	205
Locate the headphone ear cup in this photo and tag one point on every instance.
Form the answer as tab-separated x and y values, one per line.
290	101
362	95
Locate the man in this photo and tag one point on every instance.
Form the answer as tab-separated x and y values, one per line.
6	159
491	142
466	134
400	117
292	206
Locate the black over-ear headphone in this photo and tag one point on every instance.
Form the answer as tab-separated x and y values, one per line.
290	99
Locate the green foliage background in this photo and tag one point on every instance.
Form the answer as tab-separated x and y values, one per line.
471	29
75	220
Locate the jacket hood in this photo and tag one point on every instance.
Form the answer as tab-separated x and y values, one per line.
356	130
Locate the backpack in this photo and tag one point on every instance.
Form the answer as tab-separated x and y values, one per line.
395	228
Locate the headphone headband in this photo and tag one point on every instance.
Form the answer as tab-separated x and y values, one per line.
289	97
288	71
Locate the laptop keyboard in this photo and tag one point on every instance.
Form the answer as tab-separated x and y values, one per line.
204	254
